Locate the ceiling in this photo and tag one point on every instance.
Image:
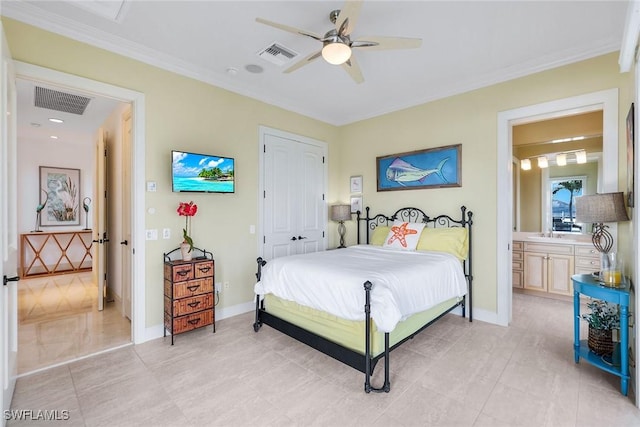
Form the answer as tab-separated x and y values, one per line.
465	45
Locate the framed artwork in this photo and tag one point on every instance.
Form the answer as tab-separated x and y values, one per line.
630	154
356	184
356	204
430	168
62	202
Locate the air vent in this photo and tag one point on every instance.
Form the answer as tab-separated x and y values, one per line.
60	101
277	54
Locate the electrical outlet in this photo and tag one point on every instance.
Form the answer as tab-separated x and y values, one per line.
152	234
226	285
166	233
218	286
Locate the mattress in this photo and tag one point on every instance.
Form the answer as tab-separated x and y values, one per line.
404	282
348	333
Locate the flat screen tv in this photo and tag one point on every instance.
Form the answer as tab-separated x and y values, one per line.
201	173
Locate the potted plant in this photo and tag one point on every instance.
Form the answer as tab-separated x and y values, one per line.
187	210
603	319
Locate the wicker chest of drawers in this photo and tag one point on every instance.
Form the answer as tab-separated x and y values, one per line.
189	300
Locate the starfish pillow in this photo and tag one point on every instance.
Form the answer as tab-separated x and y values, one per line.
403	235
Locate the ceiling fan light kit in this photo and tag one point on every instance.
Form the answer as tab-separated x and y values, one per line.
337	45
336	53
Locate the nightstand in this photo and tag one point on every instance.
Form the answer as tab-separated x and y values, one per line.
586	284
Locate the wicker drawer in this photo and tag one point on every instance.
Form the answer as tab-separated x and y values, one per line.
189	305
189	322
203	269
178	272
189	289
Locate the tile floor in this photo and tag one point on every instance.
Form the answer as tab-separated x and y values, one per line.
453	374
58	321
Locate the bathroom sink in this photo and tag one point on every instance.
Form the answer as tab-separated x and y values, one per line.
547	239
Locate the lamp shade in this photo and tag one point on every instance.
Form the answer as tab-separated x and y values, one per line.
599	208
340	212
336	53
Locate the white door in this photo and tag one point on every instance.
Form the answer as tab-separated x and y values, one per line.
8	231
294	207
100	238
126	214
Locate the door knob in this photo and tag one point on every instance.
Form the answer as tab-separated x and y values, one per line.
301	237
6	280
294	238
124	242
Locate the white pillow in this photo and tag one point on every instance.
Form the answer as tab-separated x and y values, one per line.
404	235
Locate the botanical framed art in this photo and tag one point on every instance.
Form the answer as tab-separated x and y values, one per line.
630	154
356	204
430	168
355	184
62	203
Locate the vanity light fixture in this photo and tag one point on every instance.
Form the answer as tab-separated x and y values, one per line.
561	159
581	157
525	164
543	162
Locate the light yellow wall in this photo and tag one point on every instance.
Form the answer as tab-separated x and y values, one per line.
183	113
530	200
471	120
186	114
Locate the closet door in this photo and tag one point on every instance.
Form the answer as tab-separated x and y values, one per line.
294	208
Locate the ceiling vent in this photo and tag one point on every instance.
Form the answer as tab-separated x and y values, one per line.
60	101
277	54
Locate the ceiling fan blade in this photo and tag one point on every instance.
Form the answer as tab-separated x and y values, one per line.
289	29
348	17
304	61
352	67
386	43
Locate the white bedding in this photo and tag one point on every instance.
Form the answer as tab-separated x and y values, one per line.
404	282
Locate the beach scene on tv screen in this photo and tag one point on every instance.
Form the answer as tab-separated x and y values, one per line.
197	172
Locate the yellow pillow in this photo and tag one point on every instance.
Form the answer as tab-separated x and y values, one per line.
453	240
379	235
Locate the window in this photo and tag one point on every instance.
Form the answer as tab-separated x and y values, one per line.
563	191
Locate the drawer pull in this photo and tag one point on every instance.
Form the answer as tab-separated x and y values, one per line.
182	273
193	304
193	288
204	269
193	321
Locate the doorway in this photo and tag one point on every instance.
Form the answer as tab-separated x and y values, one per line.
136	166
607	102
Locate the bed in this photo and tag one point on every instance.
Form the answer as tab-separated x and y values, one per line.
358	304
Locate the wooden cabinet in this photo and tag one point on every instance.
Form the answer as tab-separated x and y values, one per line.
517	264
548	267
587	260
189	300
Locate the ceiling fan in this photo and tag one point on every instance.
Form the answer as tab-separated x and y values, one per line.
337	44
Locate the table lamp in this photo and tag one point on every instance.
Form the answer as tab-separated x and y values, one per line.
598	209
341	213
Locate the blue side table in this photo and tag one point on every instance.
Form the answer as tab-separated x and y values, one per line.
588	285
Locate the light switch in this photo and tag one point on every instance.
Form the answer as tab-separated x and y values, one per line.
252	229
151	186
152	234
166	233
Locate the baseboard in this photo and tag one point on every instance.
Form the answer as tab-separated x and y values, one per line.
478	314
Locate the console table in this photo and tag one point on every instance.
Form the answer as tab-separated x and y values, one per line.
49	253
586	284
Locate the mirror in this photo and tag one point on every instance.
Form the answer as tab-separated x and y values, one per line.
541	202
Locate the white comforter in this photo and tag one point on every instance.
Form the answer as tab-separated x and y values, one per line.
404	282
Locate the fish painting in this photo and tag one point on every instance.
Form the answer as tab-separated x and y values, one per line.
403	172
